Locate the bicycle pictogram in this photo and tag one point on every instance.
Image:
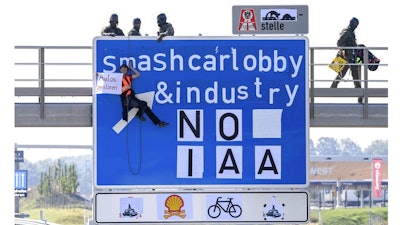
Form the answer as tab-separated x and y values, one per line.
227	206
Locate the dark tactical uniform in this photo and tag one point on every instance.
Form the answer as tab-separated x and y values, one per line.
348	39
165	28
135	31
112	29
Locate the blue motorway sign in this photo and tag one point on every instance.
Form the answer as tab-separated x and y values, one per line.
236	107
21	183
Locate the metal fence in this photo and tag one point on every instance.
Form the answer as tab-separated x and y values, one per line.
64	74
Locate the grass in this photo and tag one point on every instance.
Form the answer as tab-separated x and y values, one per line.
66	210
63	216
349	216
58	208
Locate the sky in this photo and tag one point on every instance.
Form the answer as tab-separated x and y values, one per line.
76	23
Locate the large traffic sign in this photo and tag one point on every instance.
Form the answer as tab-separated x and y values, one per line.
236	106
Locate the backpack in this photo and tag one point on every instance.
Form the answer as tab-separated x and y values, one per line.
372	59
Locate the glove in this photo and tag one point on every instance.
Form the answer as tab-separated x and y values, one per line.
162	35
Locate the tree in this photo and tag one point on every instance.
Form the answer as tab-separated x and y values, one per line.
41	184
377	147
72	180
313	150
328	146
349	148
59	178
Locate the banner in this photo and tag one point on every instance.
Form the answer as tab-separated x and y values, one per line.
109	83
377	178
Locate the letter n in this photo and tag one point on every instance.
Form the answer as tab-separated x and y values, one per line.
190	125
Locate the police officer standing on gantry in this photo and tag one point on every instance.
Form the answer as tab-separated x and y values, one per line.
112	29
348	39
165	28
135	31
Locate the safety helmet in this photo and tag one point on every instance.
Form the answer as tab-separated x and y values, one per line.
136	21
114	17
161	18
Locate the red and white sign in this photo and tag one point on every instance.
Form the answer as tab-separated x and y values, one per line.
247	20
377	178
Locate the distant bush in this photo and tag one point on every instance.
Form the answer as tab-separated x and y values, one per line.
352	216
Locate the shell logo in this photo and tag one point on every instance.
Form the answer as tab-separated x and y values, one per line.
174	203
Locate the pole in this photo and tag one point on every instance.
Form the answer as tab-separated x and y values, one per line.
16	167
370	195
338	191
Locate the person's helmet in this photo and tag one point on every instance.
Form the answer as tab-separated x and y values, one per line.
136	21
161	19
354	23
114	18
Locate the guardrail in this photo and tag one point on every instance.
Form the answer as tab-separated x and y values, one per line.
21	221
366	92
61	71
66	72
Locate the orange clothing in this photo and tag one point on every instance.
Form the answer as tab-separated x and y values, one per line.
126	85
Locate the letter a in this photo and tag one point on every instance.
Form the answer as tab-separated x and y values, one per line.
268	162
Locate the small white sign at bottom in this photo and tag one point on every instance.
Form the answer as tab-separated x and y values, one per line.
199	207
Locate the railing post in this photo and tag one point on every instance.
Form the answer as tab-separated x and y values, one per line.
311	88
365	60
41	81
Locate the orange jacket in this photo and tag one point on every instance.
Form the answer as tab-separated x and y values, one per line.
126	85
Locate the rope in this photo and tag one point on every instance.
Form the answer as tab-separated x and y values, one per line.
133	172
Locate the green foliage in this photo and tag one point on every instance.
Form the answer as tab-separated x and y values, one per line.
355	216
82	168
349	147
377	147
57	208
59	179
328	146
346	147
63	216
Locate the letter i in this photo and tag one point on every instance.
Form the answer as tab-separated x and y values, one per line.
178	92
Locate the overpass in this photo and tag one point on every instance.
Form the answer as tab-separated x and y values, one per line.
53	88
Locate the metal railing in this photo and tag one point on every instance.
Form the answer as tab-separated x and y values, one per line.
366	92
79	85
21	221
76	83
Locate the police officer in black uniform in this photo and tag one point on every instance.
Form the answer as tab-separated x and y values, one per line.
112	29
135	31
348	39
165	28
